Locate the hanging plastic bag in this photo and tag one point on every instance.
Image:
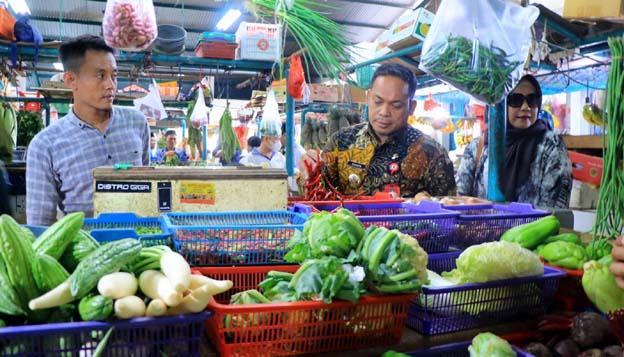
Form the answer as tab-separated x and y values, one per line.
151	105
271	124
129	25
199	117
479	46
296	77
6	24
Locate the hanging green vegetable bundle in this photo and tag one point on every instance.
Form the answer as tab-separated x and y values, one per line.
487	75
323	40
227	136
610	206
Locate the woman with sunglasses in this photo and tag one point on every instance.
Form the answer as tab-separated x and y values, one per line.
536	167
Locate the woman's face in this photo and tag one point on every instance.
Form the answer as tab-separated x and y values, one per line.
522	112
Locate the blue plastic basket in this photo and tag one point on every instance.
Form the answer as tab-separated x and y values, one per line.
458	349
478	224
231	238
461	307
109	227
428	222
145	336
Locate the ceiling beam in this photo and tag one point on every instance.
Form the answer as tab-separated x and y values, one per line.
178	5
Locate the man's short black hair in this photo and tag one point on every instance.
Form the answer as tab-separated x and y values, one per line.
72	52
399	71
254	141
170	132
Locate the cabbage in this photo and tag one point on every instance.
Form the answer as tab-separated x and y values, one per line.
494	261
489	345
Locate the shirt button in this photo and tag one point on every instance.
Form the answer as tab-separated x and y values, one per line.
104	136
110	157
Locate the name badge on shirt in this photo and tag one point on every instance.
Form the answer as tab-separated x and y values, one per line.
357	165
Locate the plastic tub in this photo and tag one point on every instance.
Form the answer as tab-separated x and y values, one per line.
170	38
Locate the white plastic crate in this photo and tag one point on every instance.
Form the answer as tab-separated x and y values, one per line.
259	42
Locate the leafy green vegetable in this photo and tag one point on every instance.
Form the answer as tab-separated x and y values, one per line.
600	287
276	287
325	279
326	234
487	344
28	125
392	353
494	261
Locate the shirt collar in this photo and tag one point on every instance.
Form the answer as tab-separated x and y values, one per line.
75	120
398	137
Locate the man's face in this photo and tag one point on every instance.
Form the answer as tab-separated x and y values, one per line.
389	105
95	83
153	142
171	141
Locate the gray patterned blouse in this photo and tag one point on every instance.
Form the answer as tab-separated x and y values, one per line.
550	181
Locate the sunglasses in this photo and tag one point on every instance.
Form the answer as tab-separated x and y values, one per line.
515	100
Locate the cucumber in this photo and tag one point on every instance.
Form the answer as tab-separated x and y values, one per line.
55	239
48	272
104	260
95	307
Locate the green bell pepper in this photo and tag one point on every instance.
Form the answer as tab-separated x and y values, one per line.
564	254
564	237
598	249
530	235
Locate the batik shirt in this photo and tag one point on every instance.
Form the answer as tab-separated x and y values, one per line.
356	161
549	184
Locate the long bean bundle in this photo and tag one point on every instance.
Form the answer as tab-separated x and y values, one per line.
322	38
227	136
485	73
610	206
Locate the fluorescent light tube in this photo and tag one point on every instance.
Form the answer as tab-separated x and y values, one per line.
19	7
228	19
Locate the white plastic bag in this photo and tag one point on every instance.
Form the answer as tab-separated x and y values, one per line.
151	105
129	25
271	124
199	117
479	46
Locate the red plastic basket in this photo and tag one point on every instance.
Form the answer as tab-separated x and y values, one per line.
300	327
570	294
216	50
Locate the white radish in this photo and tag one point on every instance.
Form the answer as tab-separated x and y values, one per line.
194	302
217	286
117	285
156	307
177	270
58	296
155	285
129	307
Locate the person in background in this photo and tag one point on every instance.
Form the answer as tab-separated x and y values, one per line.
5	208
95	133
298	150
267	154
385	153
170	151
252	143
536	169
186	147
153	147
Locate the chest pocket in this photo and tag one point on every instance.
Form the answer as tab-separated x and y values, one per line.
130	153
354	162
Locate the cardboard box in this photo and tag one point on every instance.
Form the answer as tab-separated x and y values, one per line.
279	89
382	42
410	29
586	168
583	196
324	93
593	9
354	94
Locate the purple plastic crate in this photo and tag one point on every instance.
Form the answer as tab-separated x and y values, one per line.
458	349
478	224
430	223
461	307
145	336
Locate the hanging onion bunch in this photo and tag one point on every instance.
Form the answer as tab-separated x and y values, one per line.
323	39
